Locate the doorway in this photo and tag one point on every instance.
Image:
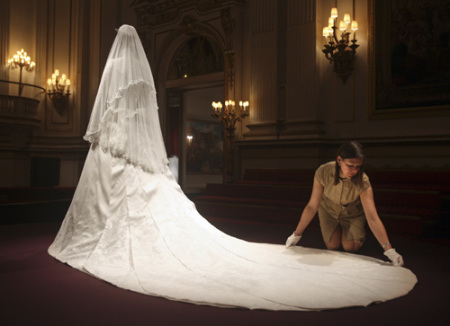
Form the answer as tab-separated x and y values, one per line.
195	137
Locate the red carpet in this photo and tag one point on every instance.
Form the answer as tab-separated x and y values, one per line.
38	290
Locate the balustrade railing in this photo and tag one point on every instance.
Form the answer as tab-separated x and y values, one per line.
19	110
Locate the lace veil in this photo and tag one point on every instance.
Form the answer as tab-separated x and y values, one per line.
124	119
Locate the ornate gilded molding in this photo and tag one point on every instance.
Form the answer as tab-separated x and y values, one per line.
228	25
188	24
285	129
197	56
156	12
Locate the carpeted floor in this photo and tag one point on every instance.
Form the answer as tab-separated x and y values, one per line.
38	290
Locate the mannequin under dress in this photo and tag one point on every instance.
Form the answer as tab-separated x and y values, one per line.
131	225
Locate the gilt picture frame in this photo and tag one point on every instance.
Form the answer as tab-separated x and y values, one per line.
408	56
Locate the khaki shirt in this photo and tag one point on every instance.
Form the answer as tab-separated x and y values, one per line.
341	200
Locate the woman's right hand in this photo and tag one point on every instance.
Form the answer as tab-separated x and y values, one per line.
292	240
395	258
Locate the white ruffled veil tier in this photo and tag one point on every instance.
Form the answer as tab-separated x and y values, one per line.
131	225
124	120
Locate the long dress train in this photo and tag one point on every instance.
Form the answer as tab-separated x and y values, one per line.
130	224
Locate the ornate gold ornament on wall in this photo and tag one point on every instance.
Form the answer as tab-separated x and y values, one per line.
19	111
341	51
58	90
21	61
228	115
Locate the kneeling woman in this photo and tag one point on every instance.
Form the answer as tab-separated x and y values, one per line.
343	197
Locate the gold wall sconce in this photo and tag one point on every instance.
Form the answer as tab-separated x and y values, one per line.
341	51
21	61
228	114
58	90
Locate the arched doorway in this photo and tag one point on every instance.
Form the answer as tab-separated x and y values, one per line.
195	78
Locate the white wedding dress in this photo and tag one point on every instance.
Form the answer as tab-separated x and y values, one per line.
131	225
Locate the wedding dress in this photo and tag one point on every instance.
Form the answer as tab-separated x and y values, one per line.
130	224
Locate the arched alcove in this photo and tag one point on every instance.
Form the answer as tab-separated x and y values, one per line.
197	56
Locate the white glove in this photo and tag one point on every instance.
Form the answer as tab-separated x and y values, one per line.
396	259
292	240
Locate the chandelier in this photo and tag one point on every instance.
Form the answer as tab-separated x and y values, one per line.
21	61
339	49
58	90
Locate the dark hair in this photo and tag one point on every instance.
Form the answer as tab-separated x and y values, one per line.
351	149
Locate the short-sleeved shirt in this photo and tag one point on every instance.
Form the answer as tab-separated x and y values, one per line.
341	200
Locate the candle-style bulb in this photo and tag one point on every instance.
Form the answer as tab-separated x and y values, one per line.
330	22
334	12
347	19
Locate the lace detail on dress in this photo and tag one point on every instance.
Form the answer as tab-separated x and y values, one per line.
130	129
